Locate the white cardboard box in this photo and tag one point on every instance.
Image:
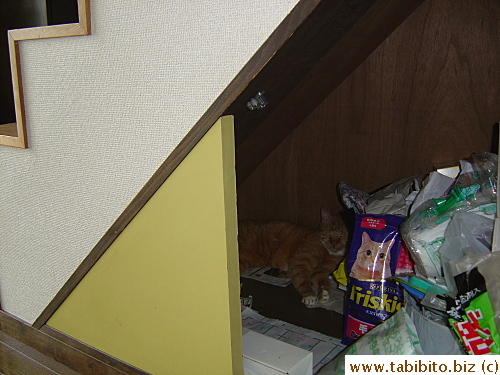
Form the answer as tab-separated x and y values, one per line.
263	355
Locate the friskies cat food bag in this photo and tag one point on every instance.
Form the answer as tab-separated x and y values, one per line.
371	296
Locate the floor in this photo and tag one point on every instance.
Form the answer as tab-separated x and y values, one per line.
284	303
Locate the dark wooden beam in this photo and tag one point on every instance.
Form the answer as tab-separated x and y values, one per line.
335	39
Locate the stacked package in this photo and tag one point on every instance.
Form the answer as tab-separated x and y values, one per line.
423	246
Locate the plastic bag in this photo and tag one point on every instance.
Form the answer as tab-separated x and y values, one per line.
396	198
423	231
396	336
353	198
476	277
467	234
435	185
474	312
434	333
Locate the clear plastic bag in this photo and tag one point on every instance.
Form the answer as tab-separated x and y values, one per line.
424	230
467	234
475	311
396	336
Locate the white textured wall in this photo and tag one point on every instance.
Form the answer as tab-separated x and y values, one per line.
103	112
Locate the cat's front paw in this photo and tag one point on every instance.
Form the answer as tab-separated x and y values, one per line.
310	300
324	297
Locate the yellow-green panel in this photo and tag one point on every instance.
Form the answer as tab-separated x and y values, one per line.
165	296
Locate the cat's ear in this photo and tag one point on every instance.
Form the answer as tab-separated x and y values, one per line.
365	237
387	245
326	216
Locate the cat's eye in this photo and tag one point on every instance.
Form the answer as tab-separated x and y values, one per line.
381	256
368	252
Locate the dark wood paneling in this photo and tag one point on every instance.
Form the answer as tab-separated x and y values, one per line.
429	94
291	63
319	56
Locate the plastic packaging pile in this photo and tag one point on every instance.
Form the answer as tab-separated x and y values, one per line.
421	267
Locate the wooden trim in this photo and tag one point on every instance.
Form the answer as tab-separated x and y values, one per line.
276	40
106	359
18	358
19	139
97	354
15	362
60	348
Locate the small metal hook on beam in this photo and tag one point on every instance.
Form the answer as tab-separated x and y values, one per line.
258	102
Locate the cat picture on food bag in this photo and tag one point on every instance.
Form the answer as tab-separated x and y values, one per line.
373	260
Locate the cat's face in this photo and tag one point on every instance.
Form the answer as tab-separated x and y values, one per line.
333	233
375	256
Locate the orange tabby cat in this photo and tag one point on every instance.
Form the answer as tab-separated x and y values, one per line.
372	260
308	255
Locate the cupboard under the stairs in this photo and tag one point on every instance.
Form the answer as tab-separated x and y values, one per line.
360	91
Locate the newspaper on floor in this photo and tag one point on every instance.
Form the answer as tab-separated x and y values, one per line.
323	347
274	277
267	275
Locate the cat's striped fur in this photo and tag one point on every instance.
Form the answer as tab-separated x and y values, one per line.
308	255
